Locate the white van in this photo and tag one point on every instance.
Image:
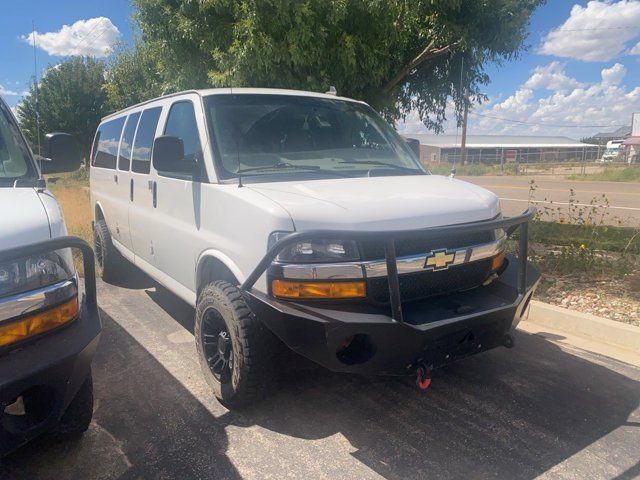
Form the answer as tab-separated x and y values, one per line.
48	329
612	151
304	218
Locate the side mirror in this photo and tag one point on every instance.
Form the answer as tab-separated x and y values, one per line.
61	153
414	145
168	156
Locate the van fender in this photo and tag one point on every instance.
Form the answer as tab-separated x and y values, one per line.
98	208
217	256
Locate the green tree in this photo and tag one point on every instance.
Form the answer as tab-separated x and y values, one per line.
70	98
398	55
133	75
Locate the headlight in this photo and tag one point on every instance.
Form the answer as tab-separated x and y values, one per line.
30	273
316	251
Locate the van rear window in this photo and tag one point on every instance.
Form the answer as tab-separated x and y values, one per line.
141	155
107	141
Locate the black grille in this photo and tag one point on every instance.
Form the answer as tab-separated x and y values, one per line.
414	286
374	250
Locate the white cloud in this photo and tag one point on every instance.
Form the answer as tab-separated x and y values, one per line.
597	32
550	77
603	103
7	92
516	103
613	75
93	37
635	50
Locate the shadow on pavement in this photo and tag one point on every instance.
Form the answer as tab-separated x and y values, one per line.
505	413
509	413
146	425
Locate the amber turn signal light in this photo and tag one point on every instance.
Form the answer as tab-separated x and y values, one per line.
497	261
317	290
38	323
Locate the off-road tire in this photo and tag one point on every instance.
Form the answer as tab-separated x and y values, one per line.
108	259
76	419
253	346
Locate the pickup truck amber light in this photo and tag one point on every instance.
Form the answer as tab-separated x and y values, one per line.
498	260
38	323
317	290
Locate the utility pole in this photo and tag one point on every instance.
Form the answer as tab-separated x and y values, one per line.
463	142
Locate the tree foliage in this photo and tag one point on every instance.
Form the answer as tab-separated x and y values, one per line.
134	76
398	55
70	99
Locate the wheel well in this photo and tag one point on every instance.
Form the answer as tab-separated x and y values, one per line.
211	269
98	214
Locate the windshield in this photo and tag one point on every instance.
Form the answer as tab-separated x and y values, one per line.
298	135
612	151
15	161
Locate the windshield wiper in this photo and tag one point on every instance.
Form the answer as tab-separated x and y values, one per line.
277	166
284	165
382	164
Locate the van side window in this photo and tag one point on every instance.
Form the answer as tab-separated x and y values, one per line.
107	141
181	123
124	156
141	155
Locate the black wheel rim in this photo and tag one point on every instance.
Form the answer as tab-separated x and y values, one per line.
99	251
216	343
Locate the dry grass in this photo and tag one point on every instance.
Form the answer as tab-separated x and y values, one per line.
73	197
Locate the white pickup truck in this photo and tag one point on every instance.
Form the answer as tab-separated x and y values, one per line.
304	219
48	329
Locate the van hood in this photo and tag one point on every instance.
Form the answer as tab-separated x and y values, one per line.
24	219
381	203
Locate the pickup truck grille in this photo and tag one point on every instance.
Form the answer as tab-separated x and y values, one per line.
374	250
419	285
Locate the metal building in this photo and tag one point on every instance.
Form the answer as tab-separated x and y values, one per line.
500	149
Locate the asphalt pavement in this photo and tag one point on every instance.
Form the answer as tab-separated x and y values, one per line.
541	409
620	200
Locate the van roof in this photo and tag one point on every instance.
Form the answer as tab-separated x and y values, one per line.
237	91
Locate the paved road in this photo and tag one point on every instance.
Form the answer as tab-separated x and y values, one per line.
541	409
623	197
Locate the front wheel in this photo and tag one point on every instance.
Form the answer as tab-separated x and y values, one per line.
234	348
108	259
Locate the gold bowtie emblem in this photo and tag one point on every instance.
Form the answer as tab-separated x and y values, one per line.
439	260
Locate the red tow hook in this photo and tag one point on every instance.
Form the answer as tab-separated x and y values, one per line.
423	378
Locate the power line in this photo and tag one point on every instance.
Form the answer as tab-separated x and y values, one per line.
85	38
543	124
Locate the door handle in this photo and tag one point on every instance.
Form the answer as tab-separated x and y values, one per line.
115	177
131	190
154	189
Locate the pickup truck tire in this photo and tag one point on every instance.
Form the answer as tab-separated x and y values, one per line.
108	259
76	419
236	351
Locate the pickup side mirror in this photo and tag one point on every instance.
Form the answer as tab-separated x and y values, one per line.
168	156
414	145
61	153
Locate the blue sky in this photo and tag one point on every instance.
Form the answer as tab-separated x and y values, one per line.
580	75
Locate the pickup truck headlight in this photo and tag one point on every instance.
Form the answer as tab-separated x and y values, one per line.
316	251
29	273
37	294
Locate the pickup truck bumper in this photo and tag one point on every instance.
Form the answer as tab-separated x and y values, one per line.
50	369
360	338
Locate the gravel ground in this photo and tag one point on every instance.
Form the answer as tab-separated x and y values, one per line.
614	298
